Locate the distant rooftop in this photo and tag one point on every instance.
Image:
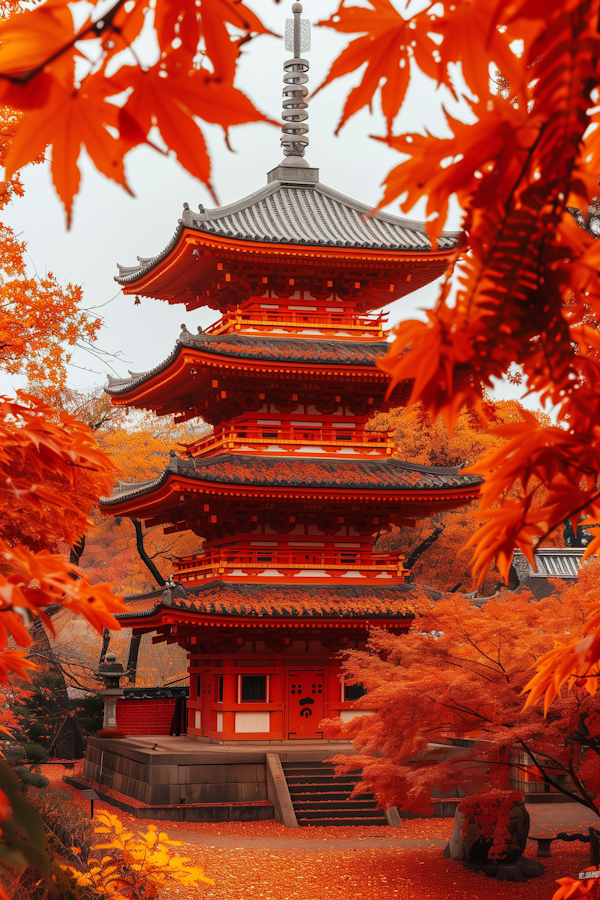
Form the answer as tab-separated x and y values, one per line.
551	562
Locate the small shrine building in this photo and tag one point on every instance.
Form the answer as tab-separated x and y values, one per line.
289	490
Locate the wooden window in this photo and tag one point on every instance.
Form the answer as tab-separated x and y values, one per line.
219	690
254	688
198	686
354	691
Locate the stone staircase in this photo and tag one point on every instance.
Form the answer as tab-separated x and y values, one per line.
319	798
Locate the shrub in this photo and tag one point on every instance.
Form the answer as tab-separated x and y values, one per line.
33	778
35	753
14	753
66	822
134	865
491	813
111	733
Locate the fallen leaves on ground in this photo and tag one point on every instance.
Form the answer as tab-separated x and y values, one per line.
362	873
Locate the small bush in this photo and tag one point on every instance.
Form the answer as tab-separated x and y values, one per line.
14	753
68	824
32	778
35	753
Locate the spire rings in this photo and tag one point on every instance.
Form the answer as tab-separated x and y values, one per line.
294	139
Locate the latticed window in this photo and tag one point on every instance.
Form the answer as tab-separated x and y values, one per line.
354	691
254	687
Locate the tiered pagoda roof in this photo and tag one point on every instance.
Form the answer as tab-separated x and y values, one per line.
265	601
299	211
294	226
290	351
261	471
223	610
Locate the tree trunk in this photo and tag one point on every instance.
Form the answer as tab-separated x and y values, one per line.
139	539
423	546
77	551
134	650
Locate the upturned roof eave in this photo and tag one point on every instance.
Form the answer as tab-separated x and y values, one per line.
154	491
203	224
121	387
153	618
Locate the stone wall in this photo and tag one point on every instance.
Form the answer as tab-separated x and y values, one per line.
155	780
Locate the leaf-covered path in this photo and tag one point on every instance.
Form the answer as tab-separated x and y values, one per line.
265	860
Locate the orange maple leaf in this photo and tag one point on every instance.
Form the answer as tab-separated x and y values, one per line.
30	38
71	119
386	48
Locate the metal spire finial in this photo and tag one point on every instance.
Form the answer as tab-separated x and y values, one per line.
294	139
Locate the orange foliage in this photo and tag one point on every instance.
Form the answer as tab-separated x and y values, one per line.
525	290
576	662
139	445
460	673
575	887
70	106
66	449
136	866
446	564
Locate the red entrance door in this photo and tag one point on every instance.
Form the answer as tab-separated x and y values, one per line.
305	703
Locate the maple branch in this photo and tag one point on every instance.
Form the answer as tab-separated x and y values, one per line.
503	225
96	28
586	799
451	661
479	650
414	555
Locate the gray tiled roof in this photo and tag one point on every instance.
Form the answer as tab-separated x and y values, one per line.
374	475
299	601
280	348
551	562
309	214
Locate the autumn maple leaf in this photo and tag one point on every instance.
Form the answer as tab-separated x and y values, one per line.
386	48
70	120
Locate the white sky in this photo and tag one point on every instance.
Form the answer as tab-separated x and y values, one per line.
110	227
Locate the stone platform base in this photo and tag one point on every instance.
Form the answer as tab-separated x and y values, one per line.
198	812
176	771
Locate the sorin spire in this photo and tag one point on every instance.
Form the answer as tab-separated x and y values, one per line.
294	139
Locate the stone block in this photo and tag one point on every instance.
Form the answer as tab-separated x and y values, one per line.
261	772
163	794
162	774
202	774
212	793
253	790
241	773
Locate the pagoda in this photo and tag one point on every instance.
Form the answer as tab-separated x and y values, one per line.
288	491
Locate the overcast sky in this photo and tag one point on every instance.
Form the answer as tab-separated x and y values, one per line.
109	226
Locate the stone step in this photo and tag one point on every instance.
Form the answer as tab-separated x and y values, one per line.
338	790
315	805
332	819
321	798
309	778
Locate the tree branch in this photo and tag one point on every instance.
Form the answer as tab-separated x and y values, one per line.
139	539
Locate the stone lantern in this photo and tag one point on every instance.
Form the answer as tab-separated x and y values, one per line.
111	673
